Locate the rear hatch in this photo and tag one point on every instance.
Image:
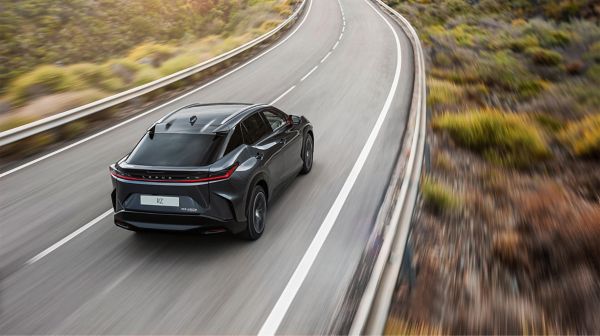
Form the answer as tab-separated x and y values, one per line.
167	173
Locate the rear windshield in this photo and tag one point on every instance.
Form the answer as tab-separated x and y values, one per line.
174	149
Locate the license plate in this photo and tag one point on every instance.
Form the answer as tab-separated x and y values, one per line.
159	200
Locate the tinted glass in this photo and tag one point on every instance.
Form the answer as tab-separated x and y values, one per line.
274	119
178	150
256	128
236	139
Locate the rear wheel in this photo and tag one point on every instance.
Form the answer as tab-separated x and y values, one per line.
307	154
256	214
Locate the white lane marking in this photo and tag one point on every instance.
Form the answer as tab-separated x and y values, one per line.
335	45
326	56
341	35
274	319
282	95
343	28
160	106
311	71
69	237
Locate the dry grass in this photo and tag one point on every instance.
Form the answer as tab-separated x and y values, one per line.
439	197
583	137
504	138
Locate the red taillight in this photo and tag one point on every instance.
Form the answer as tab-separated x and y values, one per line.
223	176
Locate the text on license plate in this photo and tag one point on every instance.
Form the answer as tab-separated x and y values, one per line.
159	200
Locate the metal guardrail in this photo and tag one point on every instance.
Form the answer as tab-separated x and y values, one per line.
395	215
60	119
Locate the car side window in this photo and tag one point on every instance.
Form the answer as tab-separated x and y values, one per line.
274	119
235	140
256	128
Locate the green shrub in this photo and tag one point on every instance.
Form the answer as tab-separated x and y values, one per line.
123	68
439	197
593	53
178	63
548	35
593	73
112	84
443	93
88	72
45	79
543	56
504	138
523	43
504	70
548	122
154	51
583	137
269	25
146	75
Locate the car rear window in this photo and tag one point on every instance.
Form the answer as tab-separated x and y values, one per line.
176	150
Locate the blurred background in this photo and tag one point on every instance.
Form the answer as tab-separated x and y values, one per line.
508	235
57	55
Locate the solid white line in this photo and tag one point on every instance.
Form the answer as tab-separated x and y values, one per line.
282	95
311	71
326	56
160	106
335	45
69	237
274	319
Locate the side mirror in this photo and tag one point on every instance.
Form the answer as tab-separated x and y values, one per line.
293	120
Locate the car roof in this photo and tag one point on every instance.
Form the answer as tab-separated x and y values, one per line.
204	118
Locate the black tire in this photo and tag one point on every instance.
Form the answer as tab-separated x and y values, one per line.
307	154
256	214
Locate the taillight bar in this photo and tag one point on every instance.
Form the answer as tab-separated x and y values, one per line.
227	174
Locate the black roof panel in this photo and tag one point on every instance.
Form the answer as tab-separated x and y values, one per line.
203	118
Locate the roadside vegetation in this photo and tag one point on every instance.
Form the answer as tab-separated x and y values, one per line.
514	90
68	53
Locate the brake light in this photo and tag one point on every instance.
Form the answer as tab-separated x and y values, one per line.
221	176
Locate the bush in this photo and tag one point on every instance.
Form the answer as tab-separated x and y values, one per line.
152	52
112	84
123	68
509	139
593	73
548	35
543	56
178	63
583	137
443	93
504	70
43	80
269	25
146	75
439	197
593	53
523	43
88	72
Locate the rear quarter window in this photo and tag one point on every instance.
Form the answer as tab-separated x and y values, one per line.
236	139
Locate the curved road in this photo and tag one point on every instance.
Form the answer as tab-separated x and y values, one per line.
65	268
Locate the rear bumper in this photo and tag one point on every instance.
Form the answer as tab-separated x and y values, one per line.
132	220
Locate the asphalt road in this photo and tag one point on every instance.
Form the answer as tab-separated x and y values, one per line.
105	280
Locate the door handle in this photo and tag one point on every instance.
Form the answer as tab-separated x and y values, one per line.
282	141
259	156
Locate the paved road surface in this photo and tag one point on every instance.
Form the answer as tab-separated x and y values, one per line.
106	280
